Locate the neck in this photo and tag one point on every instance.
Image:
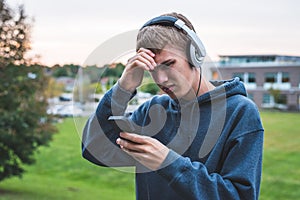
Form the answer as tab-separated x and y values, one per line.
200	85
206	86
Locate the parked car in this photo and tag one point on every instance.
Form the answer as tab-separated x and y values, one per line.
68	110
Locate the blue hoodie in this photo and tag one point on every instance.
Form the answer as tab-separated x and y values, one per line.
215	141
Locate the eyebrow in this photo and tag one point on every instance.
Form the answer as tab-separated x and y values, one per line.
167	62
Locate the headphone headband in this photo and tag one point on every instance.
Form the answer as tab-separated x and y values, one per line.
196	51
162	20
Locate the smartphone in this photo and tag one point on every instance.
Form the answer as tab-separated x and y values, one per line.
124	123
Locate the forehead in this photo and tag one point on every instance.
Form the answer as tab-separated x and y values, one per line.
169	53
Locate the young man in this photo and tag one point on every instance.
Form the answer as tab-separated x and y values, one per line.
200	141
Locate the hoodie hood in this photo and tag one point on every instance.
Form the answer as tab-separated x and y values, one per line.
224	89
230	87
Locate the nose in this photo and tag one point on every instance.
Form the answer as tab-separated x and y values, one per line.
160	76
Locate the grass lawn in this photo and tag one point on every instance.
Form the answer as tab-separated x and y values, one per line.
61	173
281	164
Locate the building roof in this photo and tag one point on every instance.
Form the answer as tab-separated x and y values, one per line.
261	59
258	55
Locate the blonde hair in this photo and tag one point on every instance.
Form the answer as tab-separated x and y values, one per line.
156	37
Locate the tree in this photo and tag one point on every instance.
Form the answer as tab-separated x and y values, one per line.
59	71
275	93
54	88
151	88
113	70
14	34
148	85
23	119
69	70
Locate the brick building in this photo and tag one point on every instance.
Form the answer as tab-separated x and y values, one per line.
272	81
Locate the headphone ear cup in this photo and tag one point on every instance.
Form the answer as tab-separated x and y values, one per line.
194	56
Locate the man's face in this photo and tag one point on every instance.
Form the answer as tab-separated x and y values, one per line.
174	75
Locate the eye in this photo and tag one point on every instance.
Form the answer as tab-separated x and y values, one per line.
164	67
167	65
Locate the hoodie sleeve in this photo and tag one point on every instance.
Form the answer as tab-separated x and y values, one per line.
100	134
239	177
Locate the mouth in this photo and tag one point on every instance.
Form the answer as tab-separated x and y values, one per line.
168	89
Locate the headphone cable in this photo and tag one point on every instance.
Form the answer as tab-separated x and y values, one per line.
199	84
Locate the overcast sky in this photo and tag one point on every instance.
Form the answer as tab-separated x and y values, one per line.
67	31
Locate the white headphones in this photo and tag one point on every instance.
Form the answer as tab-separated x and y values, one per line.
196	51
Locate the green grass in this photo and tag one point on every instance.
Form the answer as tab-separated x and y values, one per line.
281	164
61	173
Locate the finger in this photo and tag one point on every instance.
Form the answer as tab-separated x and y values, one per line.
131	146
140	61
149	55
141	64
139	139
149	58
148	51
145	58
136	155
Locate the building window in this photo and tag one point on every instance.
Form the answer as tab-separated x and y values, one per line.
266	99
251	78
285	77
240	75
281	99
271	77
